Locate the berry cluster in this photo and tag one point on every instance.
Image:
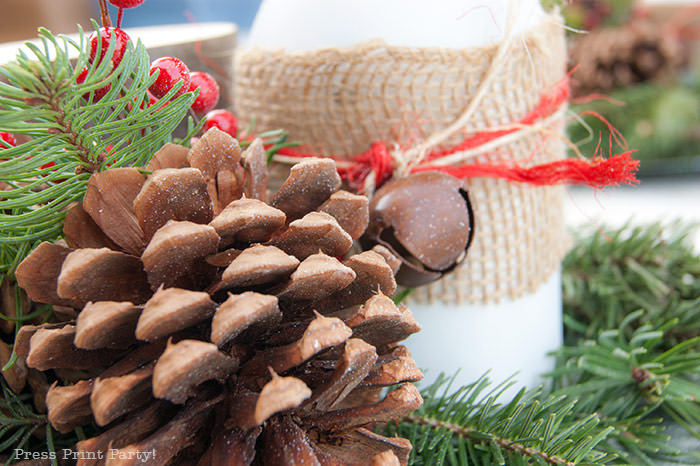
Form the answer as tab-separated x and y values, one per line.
169	71
172	71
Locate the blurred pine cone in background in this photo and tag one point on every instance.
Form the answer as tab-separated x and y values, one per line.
613	57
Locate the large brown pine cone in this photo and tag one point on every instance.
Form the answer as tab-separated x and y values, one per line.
215	327
609	58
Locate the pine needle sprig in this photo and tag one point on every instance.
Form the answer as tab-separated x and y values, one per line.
18	421
71	133
472	426
611	274
273	140
631	378
632	315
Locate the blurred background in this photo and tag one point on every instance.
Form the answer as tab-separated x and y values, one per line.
637	67
19	19
644	56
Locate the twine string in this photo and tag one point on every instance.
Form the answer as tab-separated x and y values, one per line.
414	156
506	135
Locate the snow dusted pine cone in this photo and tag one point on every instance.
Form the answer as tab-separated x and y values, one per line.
215	327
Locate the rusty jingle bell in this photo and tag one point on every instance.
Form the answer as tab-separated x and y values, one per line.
425	219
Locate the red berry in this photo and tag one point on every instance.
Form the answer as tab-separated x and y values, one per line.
172	71
208	91
8	138
81	77
49	165
107	153
98	93
222	119
126	3
105	35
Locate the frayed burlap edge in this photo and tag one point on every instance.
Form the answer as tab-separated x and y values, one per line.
338	101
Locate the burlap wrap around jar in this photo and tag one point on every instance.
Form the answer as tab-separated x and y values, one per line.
338	101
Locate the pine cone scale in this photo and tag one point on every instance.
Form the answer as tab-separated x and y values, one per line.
185	365
112	397
358	447
171	310
248	315
395	405
310	183
256	175
69	406
90	275
111	208
38	274
106	324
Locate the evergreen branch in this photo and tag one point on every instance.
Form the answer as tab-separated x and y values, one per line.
72	133
611	274
473	434
18	421
628	378
469	426
642	283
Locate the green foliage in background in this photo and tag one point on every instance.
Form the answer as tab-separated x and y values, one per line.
584	14
651	267
660	121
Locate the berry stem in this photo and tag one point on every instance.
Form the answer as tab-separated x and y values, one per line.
194	116
120	16
106	20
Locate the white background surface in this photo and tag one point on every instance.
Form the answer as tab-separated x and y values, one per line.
654	199
511	338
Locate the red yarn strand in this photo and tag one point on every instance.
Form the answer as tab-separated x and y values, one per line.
596	172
